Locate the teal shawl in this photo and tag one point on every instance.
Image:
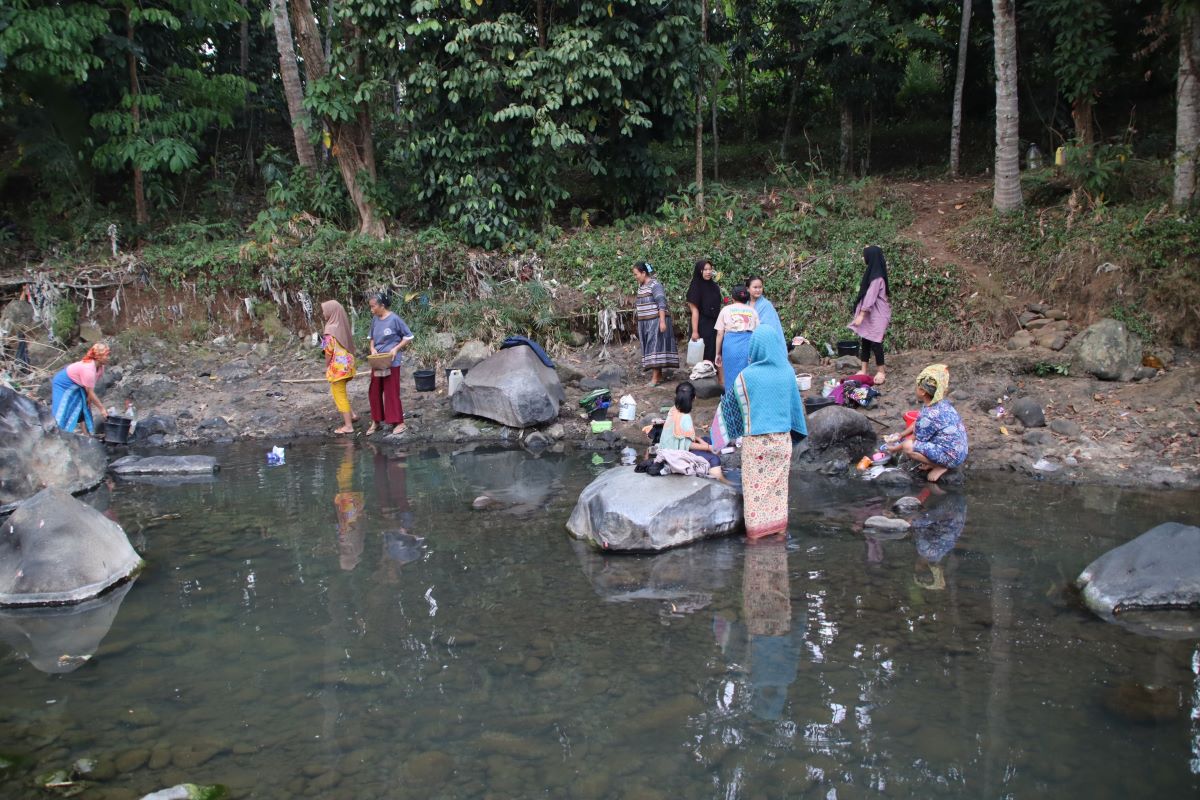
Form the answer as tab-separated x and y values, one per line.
764	398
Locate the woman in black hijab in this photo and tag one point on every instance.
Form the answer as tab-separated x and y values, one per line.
872	312
704	301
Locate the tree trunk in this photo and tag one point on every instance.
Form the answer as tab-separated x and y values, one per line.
244	50
1187	109
790	119
1081	116
293	92
714	99
347	137
960	77
865	163
700	114
141	215
1006	193
541	23
846	140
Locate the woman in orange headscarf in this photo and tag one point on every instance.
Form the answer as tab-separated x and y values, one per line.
339	360
74	390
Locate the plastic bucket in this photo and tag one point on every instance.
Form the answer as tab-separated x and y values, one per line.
116	430
599	414
425	379
804	381
454	369
454	379
847	348
910	418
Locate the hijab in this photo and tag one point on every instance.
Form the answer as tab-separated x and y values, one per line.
704	294
337	324
936	376
766	390
876	268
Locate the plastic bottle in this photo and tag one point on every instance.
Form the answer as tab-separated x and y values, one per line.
131	413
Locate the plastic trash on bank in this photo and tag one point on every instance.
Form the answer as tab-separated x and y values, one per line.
275	457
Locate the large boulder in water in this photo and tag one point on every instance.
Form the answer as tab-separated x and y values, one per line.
1107	350
512	387
631	511
56	550
1158	570
836	426
37	454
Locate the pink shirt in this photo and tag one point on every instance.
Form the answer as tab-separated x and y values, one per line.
84	373
877	312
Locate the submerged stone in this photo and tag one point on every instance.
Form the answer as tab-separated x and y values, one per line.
189	791
165	465
1158	570
628	510
56	550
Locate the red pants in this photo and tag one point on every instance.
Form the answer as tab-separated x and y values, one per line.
384	395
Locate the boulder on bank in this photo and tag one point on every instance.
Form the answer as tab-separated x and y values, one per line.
624	510
512	387
835	425
1159	569
56	550
36	454
470	354
165	465
1107	350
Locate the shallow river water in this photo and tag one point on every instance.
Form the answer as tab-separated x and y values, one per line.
346	626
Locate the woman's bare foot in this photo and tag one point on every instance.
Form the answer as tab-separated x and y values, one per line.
343	430
372	428
399	429
880	378
935	473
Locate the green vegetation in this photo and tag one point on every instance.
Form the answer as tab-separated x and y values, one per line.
66	321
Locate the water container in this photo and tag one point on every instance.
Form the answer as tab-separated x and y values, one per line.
628	412
695	352
454	379
116	430
425	380
804	381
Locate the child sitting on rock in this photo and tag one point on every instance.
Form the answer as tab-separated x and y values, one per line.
679	432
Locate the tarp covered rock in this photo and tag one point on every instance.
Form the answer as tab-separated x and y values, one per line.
56	550
512	387
36	454
1159	569
630	511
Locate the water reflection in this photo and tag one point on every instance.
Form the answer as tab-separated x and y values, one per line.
348	503
516	482
683	580
935	533
61	638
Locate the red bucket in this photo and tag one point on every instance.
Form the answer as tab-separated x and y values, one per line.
910	418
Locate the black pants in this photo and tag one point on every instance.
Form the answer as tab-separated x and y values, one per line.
866	347
708	334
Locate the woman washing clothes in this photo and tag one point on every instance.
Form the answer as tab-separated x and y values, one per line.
735	324
872	312
654	324
939	440
679	432
338	343
704	301
74	390
764	407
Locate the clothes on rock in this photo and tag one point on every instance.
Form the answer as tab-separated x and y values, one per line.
872	303
683	462
705	295
658	347
387	332
679	432
939	435
524	341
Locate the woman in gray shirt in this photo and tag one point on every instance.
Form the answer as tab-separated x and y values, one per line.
389	334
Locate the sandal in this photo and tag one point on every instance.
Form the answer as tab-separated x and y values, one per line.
372	428
399	429
343	431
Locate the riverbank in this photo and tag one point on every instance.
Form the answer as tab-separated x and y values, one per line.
1135	434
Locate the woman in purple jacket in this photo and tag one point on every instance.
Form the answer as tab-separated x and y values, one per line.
872	313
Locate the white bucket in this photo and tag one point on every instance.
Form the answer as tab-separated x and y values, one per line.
695	352
628	409
804	381
454	381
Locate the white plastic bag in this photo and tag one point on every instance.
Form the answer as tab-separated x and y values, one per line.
628	406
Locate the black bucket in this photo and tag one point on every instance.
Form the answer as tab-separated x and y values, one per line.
598	414
848	348
116	430
425	379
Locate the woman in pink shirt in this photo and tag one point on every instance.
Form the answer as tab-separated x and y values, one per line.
74	390
872	313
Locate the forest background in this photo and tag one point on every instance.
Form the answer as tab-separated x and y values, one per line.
502	165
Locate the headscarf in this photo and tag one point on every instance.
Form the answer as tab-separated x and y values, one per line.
936	376
876	268
765	393
768	317
704	294
99	349
337	324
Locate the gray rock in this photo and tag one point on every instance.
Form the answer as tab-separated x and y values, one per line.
887	523
1029	411
567	373
683	580
1035	325
444	342
1025	317
1144	373
556	431
165	465
537	441
155	424
1020	340
1065	427
623	510
589	384
235	371
1157	570
151	388
611	375
60	639
214	425
833	425
907	505
512	387
804	355
1107	350
470	354
57	550
847	364
36	454
708	388
1037	308
1054	340
901	477
1038	438
1056	313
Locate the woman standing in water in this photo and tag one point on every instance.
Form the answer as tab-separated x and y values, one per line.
339	360
764	407
654	324
704	301
872	312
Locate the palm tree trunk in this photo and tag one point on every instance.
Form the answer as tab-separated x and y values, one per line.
1006	193
790	119
293	92
348	137
700	115
960	78
1187	109
141	215
846	139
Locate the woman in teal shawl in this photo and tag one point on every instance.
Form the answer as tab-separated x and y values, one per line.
767	315
765	409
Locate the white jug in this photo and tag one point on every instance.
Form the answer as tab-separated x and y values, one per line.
695	352
454	381
628	411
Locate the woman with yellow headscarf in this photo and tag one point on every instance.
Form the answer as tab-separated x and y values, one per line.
939	440
74	390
